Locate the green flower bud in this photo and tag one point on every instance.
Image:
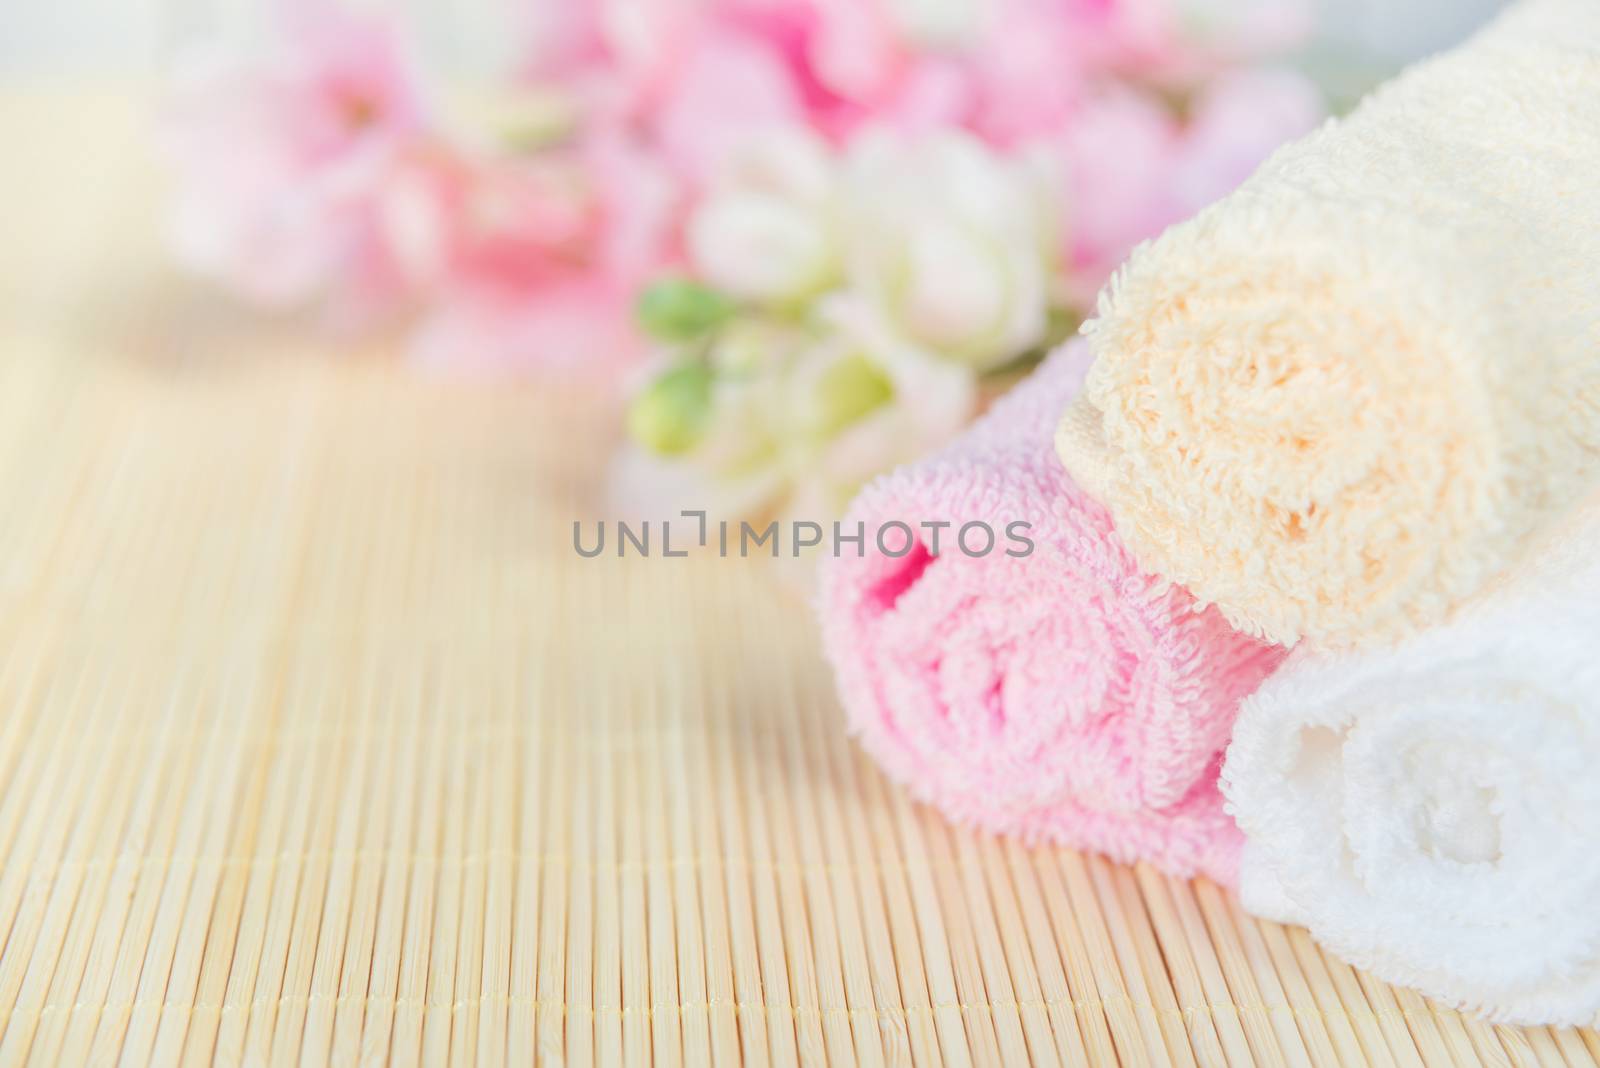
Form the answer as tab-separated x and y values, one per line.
848	390
670	415
677	309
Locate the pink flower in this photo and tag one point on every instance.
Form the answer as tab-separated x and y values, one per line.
1235	123
279	160
1135	169
313	172
693	82
534	261
1119	154
723	88
681	80
1029	71
509	223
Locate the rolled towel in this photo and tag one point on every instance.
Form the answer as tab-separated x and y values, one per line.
1431	812
1060	694
1339	400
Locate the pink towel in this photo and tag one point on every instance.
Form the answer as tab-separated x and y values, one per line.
1062	694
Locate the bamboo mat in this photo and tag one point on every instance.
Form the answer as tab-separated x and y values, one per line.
320	745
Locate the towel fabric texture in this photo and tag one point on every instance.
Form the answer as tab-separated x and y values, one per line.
1061	694
1339	401
1430	811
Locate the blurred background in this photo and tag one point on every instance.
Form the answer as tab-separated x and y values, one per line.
136	36
743	219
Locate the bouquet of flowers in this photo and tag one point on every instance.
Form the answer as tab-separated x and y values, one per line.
893	206
811	236
322	171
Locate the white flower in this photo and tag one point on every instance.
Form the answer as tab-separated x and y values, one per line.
756	246
765	230
852	401
951	243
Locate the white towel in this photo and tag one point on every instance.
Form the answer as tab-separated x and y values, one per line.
1339	401
1432	811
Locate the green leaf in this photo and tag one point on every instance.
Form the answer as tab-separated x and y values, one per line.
678	309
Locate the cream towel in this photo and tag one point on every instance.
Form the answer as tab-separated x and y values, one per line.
1338	401
1432	812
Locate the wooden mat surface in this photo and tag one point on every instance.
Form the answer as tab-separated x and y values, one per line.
319	745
